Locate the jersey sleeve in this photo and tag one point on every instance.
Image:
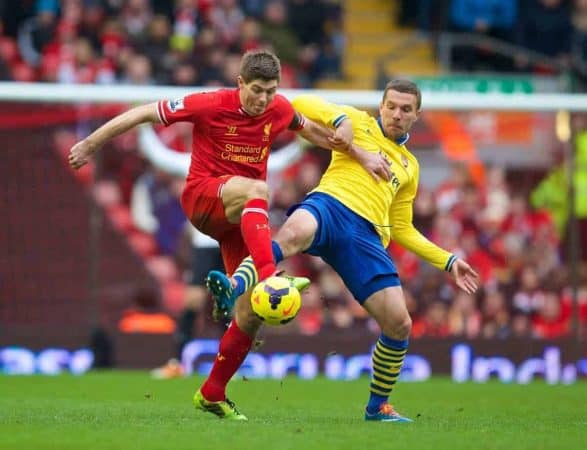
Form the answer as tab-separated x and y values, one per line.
320	111
187	109
405	234
298	122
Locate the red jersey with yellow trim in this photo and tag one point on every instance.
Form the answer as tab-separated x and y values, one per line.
227	140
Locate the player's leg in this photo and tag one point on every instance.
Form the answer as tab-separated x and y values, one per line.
234	345
232	351
295	236
387	306
354	249
246	202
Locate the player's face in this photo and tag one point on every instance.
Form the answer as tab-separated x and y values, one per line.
398	112
256	95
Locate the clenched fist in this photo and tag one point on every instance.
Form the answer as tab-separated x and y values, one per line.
80	154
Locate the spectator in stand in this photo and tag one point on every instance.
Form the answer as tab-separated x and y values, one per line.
212	73
155	47
450	191
434	323
227	19
552	319
306	19
250	37
37	31
187	23
135	16
327	64
137	71
274	30
496	192
543	251
82	66
545	28
427	15
58	51
490	17
155	209
185	74
469	210
494	18
464	318
521	326
112	40
91	22
496	316
529	297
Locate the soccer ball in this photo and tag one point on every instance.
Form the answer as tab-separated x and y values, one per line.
275	301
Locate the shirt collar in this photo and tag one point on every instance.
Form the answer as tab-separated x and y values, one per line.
399	141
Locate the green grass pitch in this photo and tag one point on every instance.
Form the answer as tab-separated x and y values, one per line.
128	410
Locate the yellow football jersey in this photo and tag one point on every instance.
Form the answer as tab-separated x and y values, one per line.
387	205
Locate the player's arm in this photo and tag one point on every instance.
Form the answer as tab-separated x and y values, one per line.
81	152
404	233
320	117
339	140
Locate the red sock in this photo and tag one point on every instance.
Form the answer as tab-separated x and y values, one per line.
234	347
257	235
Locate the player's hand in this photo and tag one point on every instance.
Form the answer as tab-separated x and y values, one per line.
80	154
465	277
376	164
342	138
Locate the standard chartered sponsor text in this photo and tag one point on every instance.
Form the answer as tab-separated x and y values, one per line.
243	153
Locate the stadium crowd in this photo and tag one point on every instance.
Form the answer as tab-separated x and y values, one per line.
181	42
515	247
555	29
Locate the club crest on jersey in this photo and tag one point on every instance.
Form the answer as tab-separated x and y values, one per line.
405	161
267	131
175	105
264	152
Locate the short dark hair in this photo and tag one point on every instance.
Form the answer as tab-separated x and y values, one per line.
260	65
406	87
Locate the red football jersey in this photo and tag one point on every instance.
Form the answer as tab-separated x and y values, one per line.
226	140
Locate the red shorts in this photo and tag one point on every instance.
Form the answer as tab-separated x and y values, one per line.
203	206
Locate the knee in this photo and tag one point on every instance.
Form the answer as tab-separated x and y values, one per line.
398	329
258	189
292	240
404	328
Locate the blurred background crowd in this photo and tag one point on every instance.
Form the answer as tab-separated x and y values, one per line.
181	42
514	233
199	42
